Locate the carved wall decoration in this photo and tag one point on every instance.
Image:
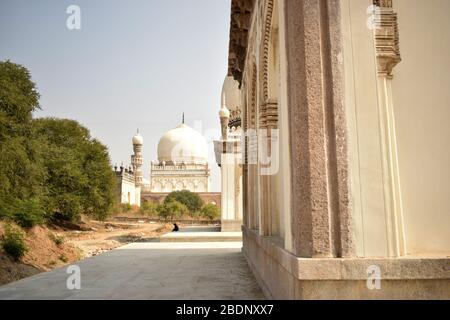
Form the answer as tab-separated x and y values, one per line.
241	14
386	36
265	49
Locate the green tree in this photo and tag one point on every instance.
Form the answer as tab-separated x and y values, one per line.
210	211
190	199
21	174
48	166
172	209
79	178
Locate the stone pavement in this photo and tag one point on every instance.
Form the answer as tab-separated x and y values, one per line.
150	270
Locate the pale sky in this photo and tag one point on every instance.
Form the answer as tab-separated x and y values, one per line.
134	64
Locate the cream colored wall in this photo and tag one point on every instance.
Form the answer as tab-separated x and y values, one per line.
421	104
228	210
284	182
366	173
421	95
128	188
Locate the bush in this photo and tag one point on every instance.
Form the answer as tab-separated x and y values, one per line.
190	199
56	239
26	213
149	208
29	213
173	209
126	207
210	211
13	242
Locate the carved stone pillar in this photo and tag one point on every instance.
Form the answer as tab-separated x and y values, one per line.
320	223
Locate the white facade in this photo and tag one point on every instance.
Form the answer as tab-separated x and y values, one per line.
229	157
129	192
182	162
175	177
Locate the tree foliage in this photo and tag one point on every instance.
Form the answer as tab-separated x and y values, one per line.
149	208
79	176
48	167
210	211
13	242
172	209
190	199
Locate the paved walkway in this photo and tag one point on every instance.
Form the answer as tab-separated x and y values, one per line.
152	270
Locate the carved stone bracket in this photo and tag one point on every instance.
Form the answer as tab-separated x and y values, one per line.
241	13
386	35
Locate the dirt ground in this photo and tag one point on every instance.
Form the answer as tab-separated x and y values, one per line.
54	246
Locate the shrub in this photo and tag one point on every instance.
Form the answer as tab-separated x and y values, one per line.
149	208
126	207
29	213
173	209
210	211
13	242
190	199
56	239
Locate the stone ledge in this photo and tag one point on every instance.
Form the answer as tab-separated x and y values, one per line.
404	268
201	237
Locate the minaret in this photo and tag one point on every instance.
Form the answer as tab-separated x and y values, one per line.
224	115
136	159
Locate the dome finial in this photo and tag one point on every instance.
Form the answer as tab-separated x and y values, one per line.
138	139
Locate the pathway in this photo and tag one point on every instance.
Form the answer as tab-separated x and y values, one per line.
150	270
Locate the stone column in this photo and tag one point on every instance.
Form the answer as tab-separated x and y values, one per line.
320	223
231	216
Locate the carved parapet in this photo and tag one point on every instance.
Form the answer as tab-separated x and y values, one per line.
386	36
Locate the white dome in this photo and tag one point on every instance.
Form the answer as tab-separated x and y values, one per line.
230	93
138	139
182	144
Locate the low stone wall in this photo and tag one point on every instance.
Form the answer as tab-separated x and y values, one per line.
284	276
231	225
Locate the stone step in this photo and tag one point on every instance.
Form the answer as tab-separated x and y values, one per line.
201	237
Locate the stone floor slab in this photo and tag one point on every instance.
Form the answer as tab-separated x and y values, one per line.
151	270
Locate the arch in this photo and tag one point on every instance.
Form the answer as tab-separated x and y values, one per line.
268	121
157	187
190	186
266	48
179	186
201	187
168	187
251	149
